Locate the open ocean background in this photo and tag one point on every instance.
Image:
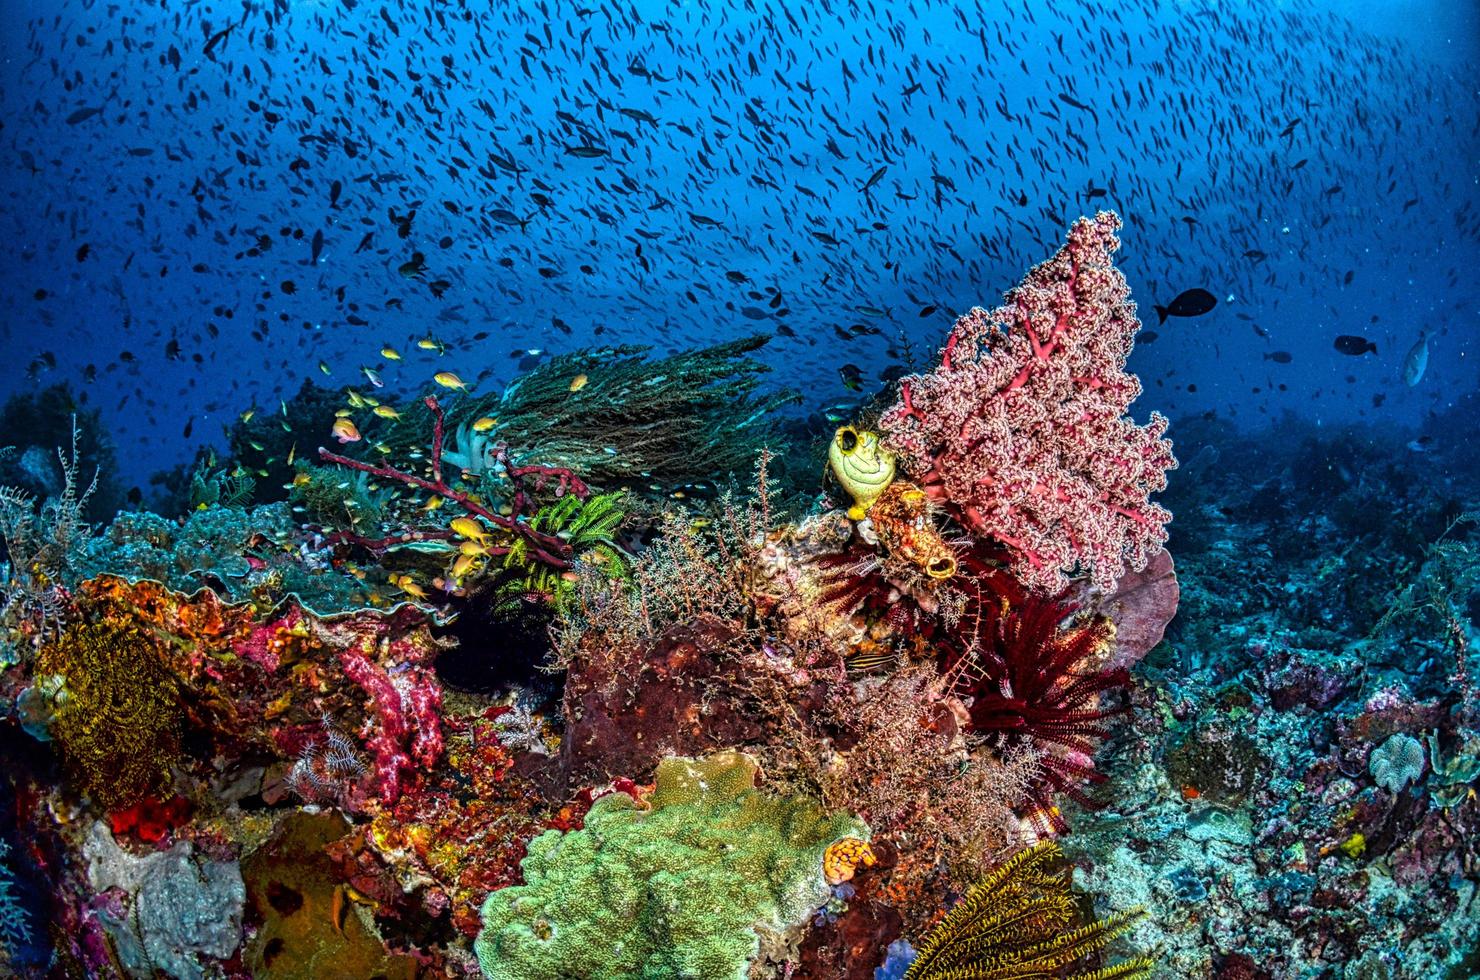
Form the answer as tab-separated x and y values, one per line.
169	167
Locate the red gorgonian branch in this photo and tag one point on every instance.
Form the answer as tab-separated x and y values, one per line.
544	548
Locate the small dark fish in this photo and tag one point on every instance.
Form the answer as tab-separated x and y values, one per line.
585	151
506	217
852	376
927	311
1279	357
189	424
415	267
82	251
316	246
1354	346
82	115
1147	337
1194	302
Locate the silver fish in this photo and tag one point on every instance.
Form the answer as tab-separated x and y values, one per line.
1417	361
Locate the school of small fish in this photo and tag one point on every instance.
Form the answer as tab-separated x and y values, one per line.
210	202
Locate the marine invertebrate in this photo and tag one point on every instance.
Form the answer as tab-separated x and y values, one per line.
326	767
1022	429
1397	762
179	907
900	519
1453	777
15	925
1023	667
41	543
841	859
117	717
541	547
675	887
587	526
227	487
1021	921
862	465
688	419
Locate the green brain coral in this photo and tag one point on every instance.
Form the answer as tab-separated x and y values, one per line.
669	893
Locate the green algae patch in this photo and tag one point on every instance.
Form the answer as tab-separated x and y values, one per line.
674	891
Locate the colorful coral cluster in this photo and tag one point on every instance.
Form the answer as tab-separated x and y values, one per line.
742	739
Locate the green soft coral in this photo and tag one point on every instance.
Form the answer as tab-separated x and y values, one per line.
674	892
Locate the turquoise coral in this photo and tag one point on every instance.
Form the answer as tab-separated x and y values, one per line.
673	891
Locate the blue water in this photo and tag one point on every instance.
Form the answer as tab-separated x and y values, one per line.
199	186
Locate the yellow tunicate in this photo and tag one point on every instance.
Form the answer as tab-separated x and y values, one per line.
862	465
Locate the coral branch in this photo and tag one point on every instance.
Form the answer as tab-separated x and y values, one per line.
545	548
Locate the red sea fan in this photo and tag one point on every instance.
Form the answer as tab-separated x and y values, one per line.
1023	432
1023	667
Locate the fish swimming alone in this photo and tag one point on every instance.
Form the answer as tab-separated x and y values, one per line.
1193	302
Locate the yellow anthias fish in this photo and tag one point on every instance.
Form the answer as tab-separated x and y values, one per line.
432	343
408	585
344	413
386	412
484	424
344	430
464	565
473	548
468	528
390	353
449	380
356	400
247	415
433	503
578	382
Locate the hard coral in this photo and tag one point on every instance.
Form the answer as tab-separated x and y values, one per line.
676	889
1022	429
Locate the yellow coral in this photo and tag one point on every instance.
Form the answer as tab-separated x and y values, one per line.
862	465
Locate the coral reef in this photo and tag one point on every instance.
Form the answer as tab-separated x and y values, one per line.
672	884
523	685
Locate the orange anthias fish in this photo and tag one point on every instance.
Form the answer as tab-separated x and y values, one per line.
345	431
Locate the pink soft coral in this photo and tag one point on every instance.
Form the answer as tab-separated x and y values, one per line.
1022	429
